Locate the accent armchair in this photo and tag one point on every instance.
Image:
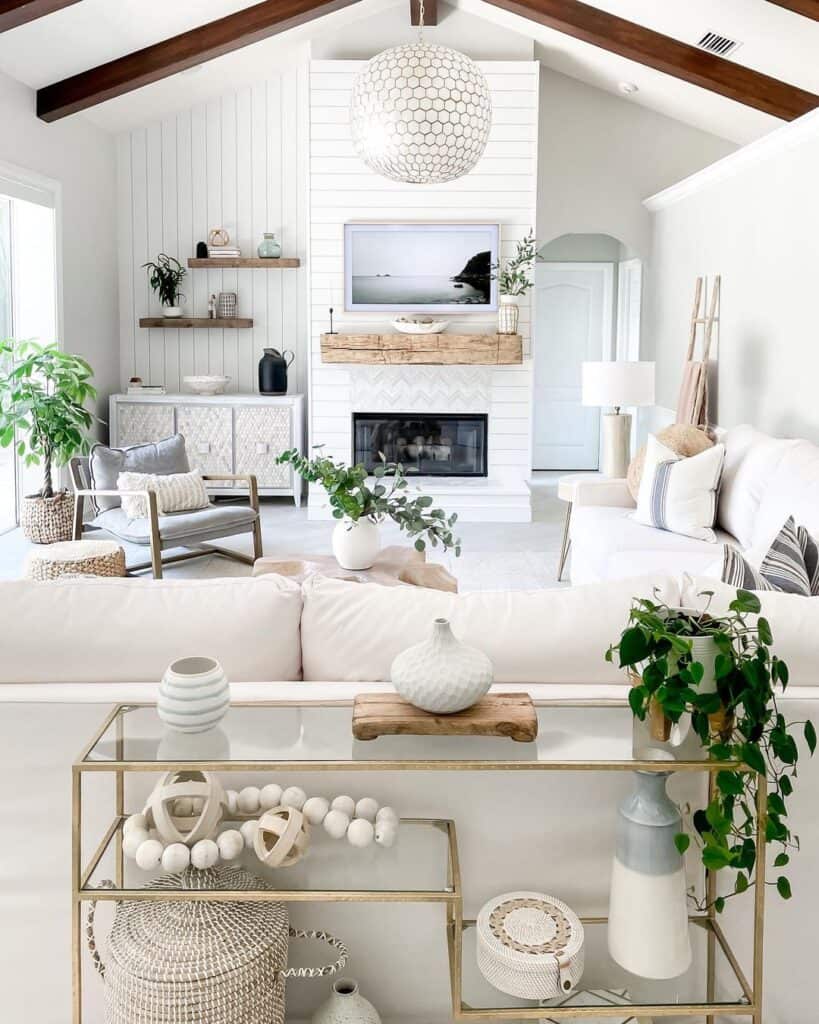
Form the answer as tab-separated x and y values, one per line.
192	530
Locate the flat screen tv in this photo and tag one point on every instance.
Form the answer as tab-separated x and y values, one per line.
420	268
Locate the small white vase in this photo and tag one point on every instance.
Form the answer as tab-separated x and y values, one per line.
172	311
346	1005
442	675
194	695
356	543
508	315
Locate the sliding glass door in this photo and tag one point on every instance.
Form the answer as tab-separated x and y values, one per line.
8	467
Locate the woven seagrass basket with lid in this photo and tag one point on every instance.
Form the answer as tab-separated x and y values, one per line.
201	962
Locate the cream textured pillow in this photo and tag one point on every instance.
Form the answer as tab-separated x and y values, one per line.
175	492
681	438
678	494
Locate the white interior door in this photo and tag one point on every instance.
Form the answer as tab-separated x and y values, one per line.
574	312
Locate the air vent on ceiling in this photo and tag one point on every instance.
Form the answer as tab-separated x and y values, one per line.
713	42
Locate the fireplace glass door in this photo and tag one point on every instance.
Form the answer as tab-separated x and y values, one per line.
446	444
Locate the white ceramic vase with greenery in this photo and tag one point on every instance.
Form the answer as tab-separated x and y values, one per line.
513	280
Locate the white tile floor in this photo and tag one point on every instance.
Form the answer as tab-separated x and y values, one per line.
515	556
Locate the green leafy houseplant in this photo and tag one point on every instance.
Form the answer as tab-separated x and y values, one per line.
351	494
43	392
657	645
165	277
512	275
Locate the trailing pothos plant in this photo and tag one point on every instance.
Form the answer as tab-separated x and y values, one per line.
352	495
656	645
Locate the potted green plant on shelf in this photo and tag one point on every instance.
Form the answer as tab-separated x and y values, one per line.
43	392
165	276
361	504
720	670
513	280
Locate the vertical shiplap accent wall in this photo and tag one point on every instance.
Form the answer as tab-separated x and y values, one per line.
235	162
501	188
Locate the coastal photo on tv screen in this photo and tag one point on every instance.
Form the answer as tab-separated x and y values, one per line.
420	268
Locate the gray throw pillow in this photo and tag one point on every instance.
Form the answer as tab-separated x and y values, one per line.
160	457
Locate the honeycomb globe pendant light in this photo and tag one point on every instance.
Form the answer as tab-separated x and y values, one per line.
420	113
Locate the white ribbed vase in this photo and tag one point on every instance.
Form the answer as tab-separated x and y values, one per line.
346	1005
442	675
194	695
356	543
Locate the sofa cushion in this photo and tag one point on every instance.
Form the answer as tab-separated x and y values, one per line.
105	464
793	490
352	631
129	630
180	527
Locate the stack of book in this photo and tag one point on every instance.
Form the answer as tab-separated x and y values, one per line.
216	252
146	389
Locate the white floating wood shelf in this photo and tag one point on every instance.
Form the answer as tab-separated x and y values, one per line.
283	263
423	349
193	321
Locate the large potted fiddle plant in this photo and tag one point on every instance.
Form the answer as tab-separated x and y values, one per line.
43	392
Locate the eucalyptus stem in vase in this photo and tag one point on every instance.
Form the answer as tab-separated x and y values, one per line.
513	280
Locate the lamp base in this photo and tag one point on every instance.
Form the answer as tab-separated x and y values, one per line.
616	450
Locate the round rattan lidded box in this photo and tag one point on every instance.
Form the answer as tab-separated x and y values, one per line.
530	945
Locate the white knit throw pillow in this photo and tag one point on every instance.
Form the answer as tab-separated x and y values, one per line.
175	492
680	494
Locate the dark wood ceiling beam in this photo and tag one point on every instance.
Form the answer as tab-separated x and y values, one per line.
186	50
664	53
808	8
18	12
430	12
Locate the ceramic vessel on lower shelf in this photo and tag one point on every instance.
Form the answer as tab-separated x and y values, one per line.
356	543
346	1005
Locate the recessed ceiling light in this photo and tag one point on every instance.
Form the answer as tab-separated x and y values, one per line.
628	88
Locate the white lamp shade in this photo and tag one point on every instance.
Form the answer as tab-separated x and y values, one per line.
618	384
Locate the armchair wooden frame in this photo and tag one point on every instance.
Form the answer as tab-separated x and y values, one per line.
83	491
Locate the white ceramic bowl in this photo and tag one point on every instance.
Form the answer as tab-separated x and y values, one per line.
208	384
407	326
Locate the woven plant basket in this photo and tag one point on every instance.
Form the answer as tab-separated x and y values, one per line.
201	962
47	520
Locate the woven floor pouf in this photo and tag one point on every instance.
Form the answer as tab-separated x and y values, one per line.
200	961
76	558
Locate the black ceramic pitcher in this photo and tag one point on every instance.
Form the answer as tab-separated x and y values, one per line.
273	371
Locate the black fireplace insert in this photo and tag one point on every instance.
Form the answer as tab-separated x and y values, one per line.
442	444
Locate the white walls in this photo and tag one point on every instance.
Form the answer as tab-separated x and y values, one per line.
80	157
234	162
754	219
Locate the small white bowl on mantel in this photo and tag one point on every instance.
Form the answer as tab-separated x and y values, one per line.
419	325
207	384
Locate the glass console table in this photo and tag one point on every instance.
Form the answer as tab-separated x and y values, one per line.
423	867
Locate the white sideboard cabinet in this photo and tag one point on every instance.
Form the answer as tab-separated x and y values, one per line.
223	433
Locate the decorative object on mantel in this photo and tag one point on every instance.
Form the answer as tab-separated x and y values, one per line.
207	961
530	945
615	385
740	722
194	695
219	245
513	280
269	247
165	275
419	325
212	306
423	349
360	507
202	250
43	392
273	368
346	1005
512	715
226	305
648	931
331	331
207	384
405	122
441	674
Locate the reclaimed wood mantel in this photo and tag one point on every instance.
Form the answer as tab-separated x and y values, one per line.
422	349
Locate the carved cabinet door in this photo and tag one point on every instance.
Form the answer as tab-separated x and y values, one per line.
208	433
262	433
142	422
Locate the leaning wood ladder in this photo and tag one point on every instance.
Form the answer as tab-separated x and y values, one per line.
692	406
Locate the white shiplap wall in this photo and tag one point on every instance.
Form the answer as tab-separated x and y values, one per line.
503	188
237	162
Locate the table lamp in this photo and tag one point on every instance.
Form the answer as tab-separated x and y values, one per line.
617	385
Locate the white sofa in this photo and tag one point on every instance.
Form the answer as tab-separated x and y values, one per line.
765	480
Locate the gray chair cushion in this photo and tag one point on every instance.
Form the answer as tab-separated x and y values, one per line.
180	528
105	464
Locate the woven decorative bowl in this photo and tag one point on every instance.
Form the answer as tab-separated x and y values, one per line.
530	945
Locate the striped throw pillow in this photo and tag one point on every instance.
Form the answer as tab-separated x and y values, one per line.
784	568
175	492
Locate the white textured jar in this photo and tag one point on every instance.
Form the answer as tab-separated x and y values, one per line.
442	675
356	543
346	1005
194	695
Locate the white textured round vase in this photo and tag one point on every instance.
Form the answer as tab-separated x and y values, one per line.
442	675
356	543
346	1005
194	695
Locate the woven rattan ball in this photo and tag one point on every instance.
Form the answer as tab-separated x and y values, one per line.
681	438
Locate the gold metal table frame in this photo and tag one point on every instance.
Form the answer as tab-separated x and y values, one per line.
450	895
